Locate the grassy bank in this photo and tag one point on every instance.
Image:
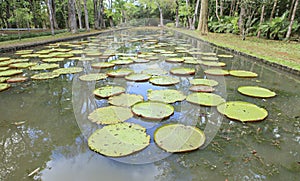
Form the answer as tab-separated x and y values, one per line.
280	52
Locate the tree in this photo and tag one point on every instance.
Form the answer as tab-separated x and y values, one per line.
50	10
72	16
203	18
292	20
79	12
86	16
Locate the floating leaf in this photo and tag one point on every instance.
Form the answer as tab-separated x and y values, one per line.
110	115
22	65
182	71
209	54
175	60
5	63
121	62
17	79
4	86
225	56
45	75
3	79
205	99
49	60
44	66
201	88
100	65
242	111
255	91
138	77
154	71
216	72
120	72
152	58
213	64
139	60
166	95
164	80
242	73
153	110
64	55
4	59
4	68
207	82
84	58
10	73
93	77
125	100
71	70
210	58
20	60
93	54
108	91
178	138
119	140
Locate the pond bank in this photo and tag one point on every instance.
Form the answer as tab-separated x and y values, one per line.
283	55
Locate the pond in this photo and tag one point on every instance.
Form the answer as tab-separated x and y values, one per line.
44	125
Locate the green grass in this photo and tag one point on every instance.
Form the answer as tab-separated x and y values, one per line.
280	52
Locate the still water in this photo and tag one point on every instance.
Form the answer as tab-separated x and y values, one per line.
53	136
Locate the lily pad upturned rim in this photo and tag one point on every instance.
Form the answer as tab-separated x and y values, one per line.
217	72
119	140
108	91
208	82
4	86
165	110
205	99
243	73
176	138
16	79
256	91
10	72
239	107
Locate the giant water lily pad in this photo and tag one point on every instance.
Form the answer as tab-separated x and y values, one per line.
178	138
175	60
5	63
207	82
201	88
45	66
10	73
216	72
22	65
242	111
110	115
164	80
49	60
166	96
125	100
140	60
93	77
45	75
17	79
3	79
119	140
4	59
242	73
205	99
120	72
225	56
155	71
182	71
71	70
4	68
138	77
4	86
210	58
153	110
213	64
122	62
255	91
100	65
108	91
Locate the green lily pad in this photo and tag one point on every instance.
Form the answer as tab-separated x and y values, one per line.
4	59
4	68
45	75
213	64
17	79
175	60
209	54
242	73
22	65
71	70
108	91
166	96
225	56
47	51
138	77
207	82
183	71
179	138
125	100
169	55
255	91
242	111
119	140
44	66
7	73
120	72
110	115
19	60
49	60
5	63
190	60
4	86
64	55
122	62
93	77
84	58
3	79
201	88
93	54
154	71
164	80
205	99
153	110
32	55
218	72
140	60
152	58
210	58
100	65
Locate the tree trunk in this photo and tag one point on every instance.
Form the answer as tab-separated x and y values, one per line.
8	13
53	14
261	19
291	9
86	16
232	5
79	13
195	13
242	21
292	20
96	14
161	16
273	10
50	16
177	14
221	7
217	14
72	16
203	18
101	14
190	20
